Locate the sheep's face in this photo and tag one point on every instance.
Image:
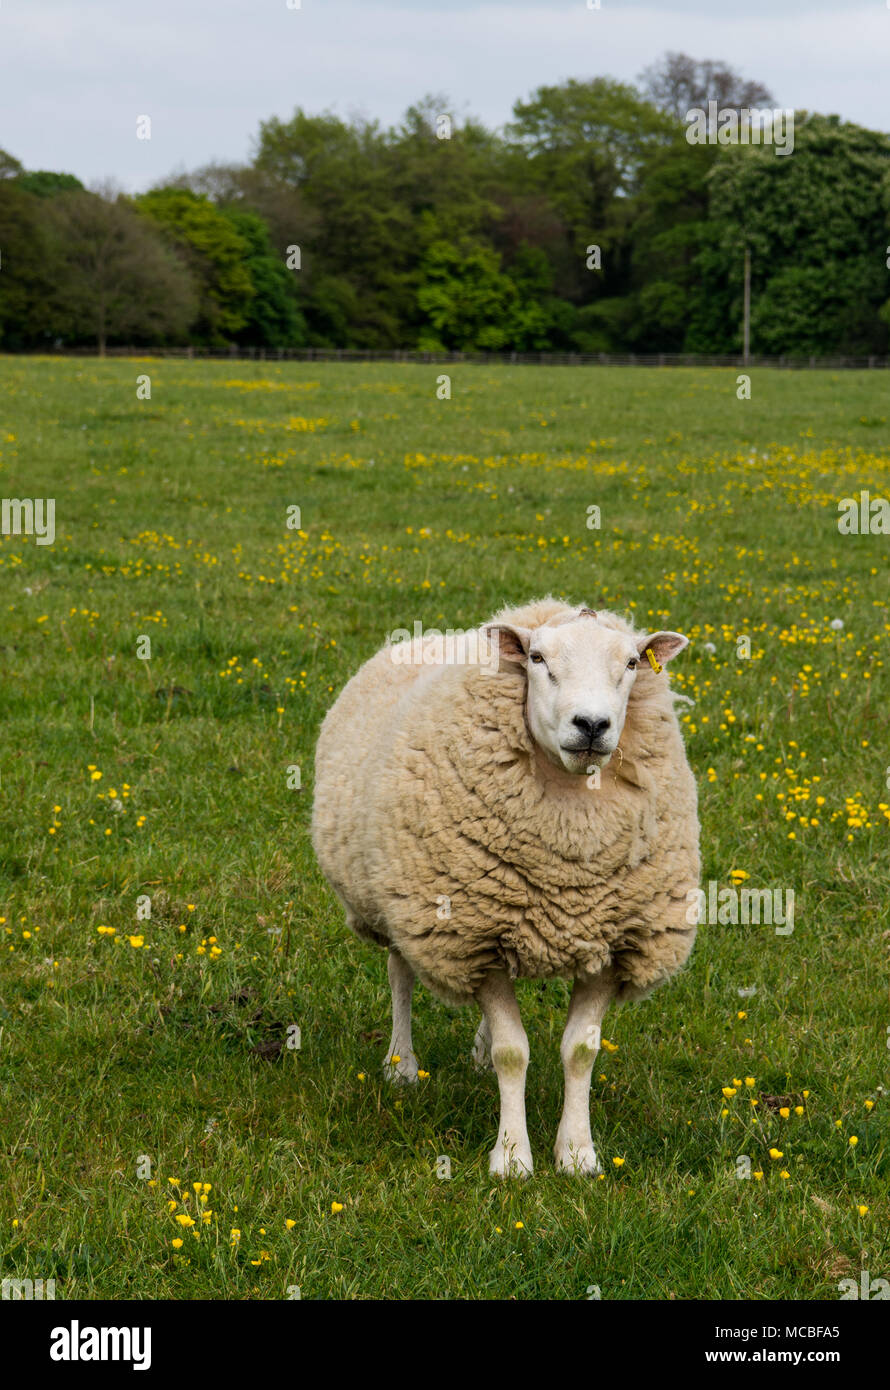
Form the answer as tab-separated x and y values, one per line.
579	677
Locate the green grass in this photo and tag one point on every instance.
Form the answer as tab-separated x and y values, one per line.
718	518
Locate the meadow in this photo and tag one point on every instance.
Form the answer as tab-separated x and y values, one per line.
160	1135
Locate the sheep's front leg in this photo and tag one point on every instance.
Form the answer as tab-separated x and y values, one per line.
580	1043
511	1155
400	1064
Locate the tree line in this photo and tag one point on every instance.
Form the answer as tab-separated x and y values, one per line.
589	223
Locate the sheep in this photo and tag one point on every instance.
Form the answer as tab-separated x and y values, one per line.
521	810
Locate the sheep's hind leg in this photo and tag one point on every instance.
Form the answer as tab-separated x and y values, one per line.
580	1043
511	1155
481	1054
400	1064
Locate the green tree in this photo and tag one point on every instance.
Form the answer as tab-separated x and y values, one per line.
9	165
466	298
118	278
31	272
273	319
816	223
361	229
215	253
47	184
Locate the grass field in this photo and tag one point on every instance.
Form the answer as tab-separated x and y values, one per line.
142	1057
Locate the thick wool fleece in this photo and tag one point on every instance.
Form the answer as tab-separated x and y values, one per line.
447	833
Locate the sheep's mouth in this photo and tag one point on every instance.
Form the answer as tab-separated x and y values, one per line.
585	750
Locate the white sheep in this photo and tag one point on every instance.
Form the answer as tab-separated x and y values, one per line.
522	810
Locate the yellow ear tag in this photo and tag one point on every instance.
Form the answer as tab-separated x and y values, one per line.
652	662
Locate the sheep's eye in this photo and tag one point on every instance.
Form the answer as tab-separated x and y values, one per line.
536	657
632	664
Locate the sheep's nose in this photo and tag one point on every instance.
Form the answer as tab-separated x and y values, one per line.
592	729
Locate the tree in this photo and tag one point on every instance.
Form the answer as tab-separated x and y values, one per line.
816	223
466	298
215	253
120	280
273	318
47	184
9	165
31	274
677	83
584	147
361	245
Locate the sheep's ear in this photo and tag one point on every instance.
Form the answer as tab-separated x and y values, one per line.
511	643
664	646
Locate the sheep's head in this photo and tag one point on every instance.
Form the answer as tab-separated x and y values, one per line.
579	676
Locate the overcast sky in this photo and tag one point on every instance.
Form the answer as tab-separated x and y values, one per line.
76	74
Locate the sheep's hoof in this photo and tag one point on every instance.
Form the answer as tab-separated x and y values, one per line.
577	1158
403	1072
511	1162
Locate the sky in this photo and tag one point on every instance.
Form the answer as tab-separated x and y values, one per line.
76	74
